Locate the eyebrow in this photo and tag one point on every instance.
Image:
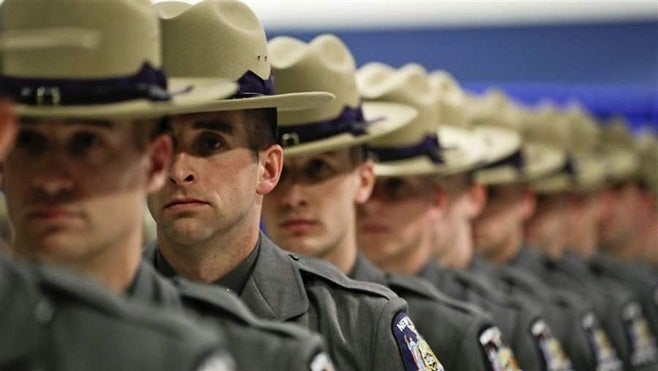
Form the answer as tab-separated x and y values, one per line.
214	125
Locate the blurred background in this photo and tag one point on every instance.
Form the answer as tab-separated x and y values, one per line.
601	53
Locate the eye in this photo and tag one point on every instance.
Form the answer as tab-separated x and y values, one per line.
31	142
394	188
317	170
207	143
83	142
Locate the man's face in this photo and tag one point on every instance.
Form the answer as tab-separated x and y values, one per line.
547	227
312	209
398	218
620	204
76	189
214	184
501	218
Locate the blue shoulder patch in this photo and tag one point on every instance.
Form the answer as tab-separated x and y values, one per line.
604	353
500	357
641	340
416	353
550	348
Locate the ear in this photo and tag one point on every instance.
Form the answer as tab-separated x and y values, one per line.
528	203
270	163
8	128
477	199
159	154
366	176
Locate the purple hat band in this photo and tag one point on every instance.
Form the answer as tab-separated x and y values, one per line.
252	85
350	121
516	159
148	83
428	147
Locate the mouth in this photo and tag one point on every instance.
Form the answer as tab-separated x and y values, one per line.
374	228
298	225
184	203
50	214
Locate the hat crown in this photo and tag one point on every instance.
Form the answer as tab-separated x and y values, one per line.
616	133
647	144
584	132
212	38
494	108
324	64
408	85
545	125
128	33
450	100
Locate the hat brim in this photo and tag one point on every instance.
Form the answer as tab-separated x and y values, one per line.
461	150
500	142
621	164
590	173
386	117
540	161
188	94
282	102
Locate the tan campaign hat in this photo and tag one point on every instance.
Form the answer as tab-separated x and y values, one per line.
584	146
225	39
647	144
326	64
496	142
534	160
422	147
546	125
119	77
621	157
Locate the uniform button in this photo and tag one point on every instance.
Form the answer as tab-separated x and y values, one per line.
44	311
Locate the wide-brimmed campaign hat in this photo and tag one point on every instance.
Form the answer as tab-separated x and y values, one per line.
584	146
546	125
496	142
225	39
422	147
621	157
532	161
326	64
119	77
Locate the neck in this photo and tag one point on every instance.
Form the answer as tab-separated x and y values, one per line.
213	258
343	255
508	250
410	261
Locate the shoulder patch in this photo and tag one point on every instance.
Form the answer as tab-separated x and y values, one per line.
499	354
604	353
321	362
218	361
640	338
416	353
550	348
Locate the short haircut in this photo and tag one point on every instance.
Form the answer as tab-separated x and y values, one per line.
261	126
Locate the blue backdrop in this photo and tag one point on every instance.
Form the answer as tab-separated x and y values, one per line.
610	67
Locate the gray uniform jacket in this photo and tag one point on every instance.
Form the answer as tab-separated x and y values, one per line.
255	344
620	313
358	320
572	320
451	328
54	320
514	318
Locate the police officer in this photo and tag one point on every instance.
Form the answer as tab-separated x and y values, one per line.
499	232
312	210
226	159
89	150
53	320
620	313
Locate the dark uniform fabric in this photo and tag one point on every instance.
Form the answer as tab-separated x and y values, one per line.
356	318
573	321
53	320
514	318
255	344
452	329
614	306
635	278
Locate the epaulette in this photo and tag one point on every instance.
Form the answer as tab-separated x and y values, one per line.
325	271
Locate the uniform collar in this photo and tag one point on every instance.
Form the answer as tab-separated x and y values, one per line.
364	270
275	289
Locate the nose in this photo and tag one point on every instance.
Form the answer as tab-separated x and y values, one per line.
292	195
370	207
180	170
53	177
